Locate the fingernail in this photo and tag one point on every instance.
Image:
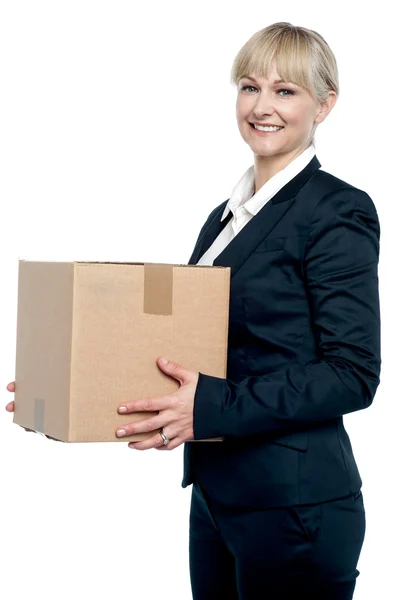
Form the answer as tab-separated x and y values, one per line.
164	361
122	409
121	432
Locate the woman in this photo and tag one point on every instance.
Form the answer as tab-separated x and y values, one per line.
277	509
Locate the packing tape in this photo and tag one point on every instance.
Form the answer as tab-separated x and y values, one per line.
38	417
158	289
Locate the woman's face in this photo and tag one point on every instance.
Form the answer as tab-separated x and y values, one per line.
265	101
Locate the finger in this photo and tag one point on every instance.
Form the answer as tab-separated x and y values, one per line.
146	405
172	444
153	442
145	425
11	386
10	406
174	370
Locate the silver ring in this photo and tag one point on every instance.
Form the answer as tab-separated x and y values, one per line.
165	438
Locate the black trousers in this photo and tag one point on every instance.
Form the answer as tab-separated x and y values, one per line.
305	551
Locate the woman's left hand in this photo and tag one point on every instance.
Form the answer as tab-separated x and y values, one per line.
176	411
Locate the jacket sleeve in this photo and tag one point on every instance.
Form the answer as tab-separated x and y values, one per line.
340	268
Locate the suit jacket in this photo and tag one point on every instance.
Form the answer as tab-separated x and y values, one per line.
303	347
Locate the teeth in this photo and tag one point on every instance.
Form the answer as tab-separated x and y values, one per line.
267	128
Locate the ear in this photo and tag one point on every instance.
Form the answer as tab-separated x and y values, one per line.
326	107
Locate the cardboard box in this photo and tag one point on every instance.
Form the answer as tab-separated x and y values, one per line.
88	335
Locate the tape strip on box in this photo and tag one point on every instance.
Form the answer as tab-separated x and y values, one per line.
39	415
158	289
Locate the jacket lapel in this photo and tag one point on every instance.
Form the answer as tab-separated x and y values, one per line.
210	234
258	228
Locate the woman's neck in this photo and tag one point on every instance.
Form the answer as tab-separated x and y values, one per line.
265	167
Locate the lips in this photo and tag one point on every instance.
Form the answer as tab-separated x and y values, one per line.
266	125
262	133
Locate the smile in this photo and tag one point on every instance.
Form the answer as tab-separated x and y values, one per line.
262	130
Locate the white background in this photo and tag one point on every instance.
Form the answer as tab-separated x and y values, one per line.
118	137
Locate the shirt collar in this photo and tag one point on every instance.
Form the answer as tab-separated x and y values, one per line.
243	191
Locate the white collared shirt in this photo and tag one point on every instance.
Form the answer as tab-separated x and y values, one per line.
244	204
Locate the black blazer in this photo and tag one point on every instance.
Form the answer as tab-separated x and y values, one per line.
303	347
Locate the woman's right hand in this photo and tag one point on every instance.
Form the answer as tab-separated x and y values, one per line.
10	405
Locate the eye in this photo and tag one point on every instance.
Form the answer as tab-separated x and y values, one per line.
290	92
245	87
248	88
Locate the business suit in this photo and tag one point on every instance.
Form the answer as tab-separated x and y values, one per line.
304	349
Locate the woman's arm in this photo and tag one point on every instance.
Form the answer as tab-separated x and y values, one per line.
340	270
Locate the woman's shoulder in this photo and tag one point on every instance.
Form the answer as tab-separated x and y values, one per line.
328	185
331	182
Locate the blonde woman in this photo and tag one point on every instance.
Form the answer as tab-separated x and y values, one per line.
277	509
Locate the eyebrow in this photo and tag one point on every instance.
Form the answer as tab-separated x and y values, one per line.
276	81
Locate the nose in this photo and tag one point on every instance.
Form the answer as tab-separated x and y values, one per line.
264	105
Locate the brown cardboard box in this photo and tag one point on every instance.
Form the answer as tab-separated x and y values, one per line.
88	335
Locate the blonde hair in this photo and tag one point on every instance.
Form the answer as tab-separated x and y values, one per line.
302	56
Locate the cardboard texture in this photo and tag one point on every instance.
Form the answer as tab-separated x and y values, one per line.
89	333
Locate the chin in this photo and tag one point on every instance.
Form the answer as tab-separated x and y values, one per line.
271	151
